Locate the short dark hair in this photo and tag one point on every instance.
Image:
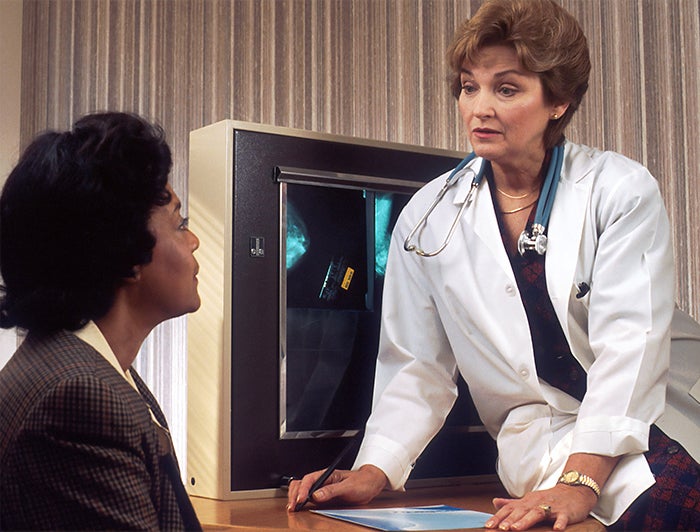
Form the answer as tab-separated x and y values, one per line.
548	40
74	218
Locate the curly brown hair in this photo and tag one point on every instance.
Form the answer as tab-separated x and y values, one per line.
548	41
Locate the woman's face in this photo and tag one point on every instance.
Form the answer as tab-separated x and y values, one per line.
504	108
168	284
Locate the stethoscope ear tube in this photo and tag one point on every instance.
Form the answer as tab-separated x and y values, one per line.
421	223
451	180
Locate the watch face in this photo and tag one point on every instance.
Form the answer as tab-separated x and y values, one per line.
570	476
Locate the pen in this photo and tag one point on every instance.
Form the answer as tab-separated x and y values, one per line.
327	473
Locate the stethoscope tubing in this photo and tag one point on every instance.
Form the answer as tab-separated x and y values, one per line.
536	240
451	180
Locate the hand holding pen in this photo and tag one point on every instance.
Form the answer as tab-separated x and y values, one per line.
349	487
324	476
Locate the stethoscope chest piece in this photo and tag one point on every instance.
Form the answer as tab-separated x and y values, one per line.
537	241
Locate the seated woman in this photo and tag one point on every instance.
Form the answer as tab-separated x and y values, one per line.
94	254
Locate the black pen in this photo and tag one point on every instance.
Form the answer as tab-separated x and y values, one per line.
324	476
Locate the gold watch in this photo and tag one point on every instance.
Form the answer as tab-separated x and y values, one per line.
574	478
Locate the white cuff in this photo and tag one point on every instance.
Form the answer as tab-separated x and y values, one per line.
610	436
388	456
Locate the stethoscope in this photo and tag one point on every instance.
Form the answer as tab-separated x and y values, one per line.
535	239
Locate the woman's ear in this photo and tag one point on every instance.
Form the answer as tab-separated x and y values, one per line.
558	111
135	276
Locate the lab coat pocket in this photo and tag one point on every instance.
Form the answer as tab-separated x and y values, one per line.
579	302
582	291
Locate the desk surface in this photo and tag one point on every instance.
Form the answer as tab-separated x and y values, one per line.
270	515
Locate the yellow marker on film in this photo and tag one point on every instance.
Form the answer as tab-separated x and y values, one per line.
348	277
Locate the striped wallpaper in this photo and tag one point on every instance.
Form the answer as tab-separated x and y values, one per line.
364	68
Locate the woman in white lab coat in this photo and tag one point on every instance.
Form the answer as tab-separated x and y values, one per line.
564	344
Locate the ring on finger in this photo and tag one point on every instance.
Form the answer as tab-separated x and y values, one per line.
547	509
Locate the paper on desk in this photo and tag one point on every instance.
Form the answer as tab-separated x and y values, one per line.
439	517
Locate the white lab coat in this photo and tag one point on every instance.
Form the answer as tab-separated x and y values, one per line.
462	311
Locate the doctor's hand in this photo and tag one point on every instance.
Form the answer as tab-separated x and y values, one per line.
349	487
563	505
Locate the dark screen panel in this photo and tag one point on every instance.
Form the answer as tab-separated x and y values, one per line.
327	259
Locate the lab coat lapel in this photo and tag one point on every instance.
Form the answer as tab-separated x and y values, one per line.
565	232
481	218
495	281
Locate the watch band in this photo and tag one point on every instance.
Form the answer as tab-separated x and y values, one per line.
574	478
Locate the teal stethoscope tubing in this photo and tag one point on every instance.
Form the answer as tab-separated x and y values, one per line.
451	180
536	240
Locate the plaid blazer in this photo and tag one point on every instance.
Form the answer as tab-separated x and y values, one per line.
78	447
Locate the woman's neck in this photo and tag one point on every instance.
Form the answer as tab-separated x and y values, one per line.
123	333
522	177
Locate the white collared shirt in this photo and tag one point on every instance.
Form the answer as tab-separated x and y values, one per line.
91	335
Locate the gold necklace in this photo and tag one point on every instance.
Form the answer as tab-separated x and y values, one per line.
520	208
516	197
